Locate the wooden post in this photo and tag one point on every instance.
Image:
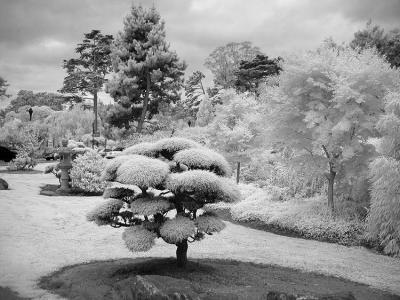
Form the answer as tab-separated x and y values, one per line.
238	172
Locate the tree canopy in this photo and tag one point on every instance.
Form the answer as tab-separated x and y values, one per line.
146	71
224	61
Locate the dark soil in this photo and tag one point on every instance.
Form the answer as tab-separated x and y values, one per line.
7	294
27	171
201	279
51	190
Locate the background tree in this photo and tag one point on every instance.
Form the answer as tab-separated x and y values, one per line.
166	198
387	44
3	87
224	61
325	109
147	72
86	74
29	98
194	93
251	73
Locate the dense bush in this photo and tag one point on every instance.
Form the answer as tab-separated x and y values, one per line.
86	171
23	161
305	217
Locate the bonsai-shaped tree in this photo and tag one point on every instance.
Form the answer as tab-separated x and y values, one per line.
158	190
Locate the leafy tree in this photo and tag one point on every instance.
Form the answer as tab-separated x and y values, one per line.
251	73
387	44
224	61
86	74
147	72
194	93
3	87
40	113
325	109
383	220
29	98
156	199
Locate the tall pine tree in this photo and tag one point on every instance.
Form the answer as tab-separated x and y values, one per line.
86	74
147	72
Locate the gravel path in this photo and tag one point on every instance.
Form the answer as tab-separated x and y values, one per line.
40	234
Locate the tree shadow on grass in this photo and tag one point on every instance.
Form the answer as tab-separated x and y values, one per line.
201	279
7	294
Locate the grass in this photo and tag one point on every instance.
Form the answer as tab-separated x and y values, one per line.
202	279
303	217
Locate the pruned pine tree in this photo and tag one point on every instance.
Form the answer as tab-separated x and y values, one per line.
158	191
147	72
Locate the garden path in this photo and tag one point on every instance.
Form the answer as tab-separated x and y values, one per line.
40	234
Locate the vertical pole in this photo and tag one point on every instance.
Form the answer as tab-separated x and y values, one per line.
238	172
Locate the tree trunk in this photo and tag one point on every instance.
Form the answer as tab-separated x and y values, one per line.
95	112
181	253
331	182
145	104
238	173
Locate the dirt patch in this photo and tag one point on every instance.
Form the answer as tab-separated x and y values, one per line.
52	190
8	294
203	278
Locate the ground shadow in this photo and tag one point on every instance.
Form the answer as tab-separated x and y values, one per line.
52	190
202	279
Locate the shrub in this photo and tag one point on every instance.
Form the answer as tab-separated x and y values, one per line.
86	172
164	200
383	221
23	161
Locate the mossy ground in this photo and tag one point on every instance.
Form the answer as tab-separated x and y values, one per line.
204	278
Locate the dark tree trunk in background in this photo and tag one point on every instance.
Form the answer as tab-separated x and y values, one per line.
145	104
181	253
331	182
238	172
95	112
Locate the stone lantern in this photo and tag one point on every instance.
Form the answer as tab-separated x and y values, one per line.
65	165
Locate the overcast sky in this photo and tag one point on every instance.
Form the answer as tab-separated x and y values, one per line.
36	35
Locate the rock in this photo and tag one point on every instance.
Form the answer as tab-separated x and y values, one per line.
3	184
140	288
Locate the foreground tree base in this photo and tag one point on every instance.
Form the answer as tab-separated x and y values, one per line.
161	278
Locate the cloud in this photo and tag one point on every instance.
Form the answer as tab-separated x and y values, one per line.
36	35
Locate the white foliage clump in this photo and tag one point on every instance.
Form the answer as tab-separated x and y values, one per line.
86	172
202	158
110	170
149	206
205	185
209	223
176	230
102	214
138	239
170	146
145	148
142	171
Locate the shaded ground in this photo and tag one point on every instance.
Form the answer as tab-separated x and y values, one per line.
27	171
204	278
40	235
7	294
52	190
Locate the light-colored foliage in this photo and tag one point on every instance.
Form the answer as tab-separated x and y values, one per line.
86	172
175	230
137	238
149	206
209	223
103	214
204	185
142	171
198	158
144	148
